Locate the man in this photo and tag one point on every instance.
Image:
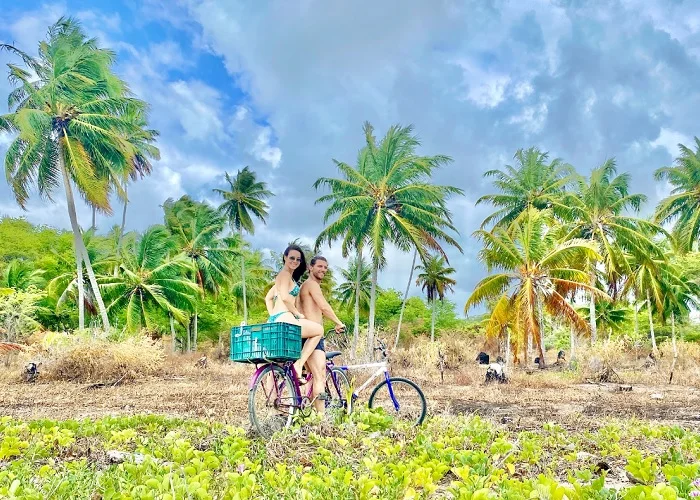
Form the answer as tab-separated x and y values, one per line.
314	306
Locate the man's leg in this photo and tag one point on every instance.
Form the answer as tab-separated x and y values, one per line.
317	365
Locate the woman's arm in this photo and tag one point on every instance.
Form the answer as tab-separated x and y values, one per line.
269	300
283	284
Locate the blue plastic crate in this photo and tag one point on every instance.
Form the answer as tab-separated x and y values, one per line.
265	342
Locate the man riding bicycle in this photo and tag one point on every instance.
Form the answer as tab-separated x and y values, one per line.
314	306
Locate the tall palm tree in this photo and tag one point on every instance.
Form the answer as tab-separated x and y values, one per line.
139	166
256	281
598	213
435	280
150	280
682	207
68	109
537	270
534	182
197	229
387	198
246	197
346	292
611	316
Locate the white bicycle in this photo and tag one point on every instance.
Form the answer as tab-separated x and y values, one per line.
397	396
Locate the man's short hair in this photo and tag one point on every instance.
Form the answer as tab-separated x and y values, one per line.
317	258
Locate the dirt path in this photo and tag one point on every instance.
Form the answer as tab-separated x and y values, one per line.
221	394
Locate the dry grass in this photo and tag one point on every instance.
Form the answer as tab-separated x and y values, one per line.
86	360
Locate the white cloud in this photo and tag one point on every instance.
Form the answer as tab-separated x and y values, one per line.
670	139
198	109
532	118
263	150
522	90
485	89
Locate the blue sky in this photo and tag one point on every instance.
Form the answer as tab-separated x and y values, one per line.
285	87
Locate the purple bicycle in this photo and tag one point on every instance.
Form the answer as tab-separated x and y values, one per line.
276	395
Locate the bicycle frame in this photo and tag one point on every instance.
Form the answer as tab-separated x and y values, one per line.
382	368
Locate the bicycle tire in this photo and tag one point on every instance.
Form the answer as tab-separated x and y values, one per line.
338	399
398	382
285	405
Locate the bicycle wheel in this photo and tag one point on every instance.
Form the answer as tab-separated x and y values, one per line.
407	396
338	391
272	401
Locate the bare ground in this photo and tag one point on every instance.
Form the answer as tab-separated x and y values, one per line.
219	392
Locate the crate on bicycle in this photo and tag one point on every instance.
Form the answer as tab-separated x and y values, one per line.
265	342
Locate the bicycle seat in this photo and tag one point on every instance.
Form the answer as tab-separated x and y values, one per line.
333	354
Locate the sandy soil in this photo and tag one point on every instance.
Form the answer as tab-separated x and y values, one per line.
219	392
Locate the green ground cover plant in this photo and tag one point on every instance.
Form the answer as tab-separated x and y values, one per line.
365	456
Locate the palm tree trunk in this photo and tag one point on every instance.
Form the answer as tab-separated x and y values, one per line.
432	323
508	349
80	250
540	340
194	337
651	326
675	347
245	300
592	318
636	316
94	217
572	344
372	308
528	354
123	226
81	293
405	298
189	336
172	332
358	277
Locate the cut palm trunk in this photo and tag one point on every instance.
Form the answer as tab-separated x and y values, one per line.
651	326
405	298
356	331
675	347
372	309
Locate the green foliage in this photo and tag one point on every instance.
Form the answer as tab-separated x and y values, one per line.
366	456
18	314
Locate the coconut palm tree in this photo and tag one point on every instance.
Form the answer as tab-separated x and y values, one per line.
244	200
435	280
682	207
347	290
611	316
597	211
386	199
149	280
538	272
68	109
197	229
534	182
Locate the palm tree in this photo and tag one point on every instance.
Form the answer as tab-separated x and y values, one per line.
196	229
682	207
141	138
68	110
498	327
150	280
347	290
257	279
611	316
435	281
387	199
20	275
245	198
532	183
597	211
538	270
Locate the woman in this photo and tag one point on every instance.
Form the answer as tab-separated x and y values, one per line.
281	303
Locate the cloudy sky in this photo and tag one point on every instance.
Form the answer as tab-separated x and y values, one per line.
284	86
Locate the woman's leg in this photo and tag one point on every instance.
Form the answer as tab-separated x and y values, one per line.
312	332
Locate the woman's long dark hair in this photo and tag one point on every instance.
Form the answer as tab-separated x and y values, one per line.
299	271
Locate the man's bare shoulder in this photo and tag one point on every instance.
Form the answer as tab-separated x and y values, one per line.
308	286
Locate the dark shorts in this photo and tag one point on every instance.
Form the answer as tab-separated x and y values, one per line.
321	345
